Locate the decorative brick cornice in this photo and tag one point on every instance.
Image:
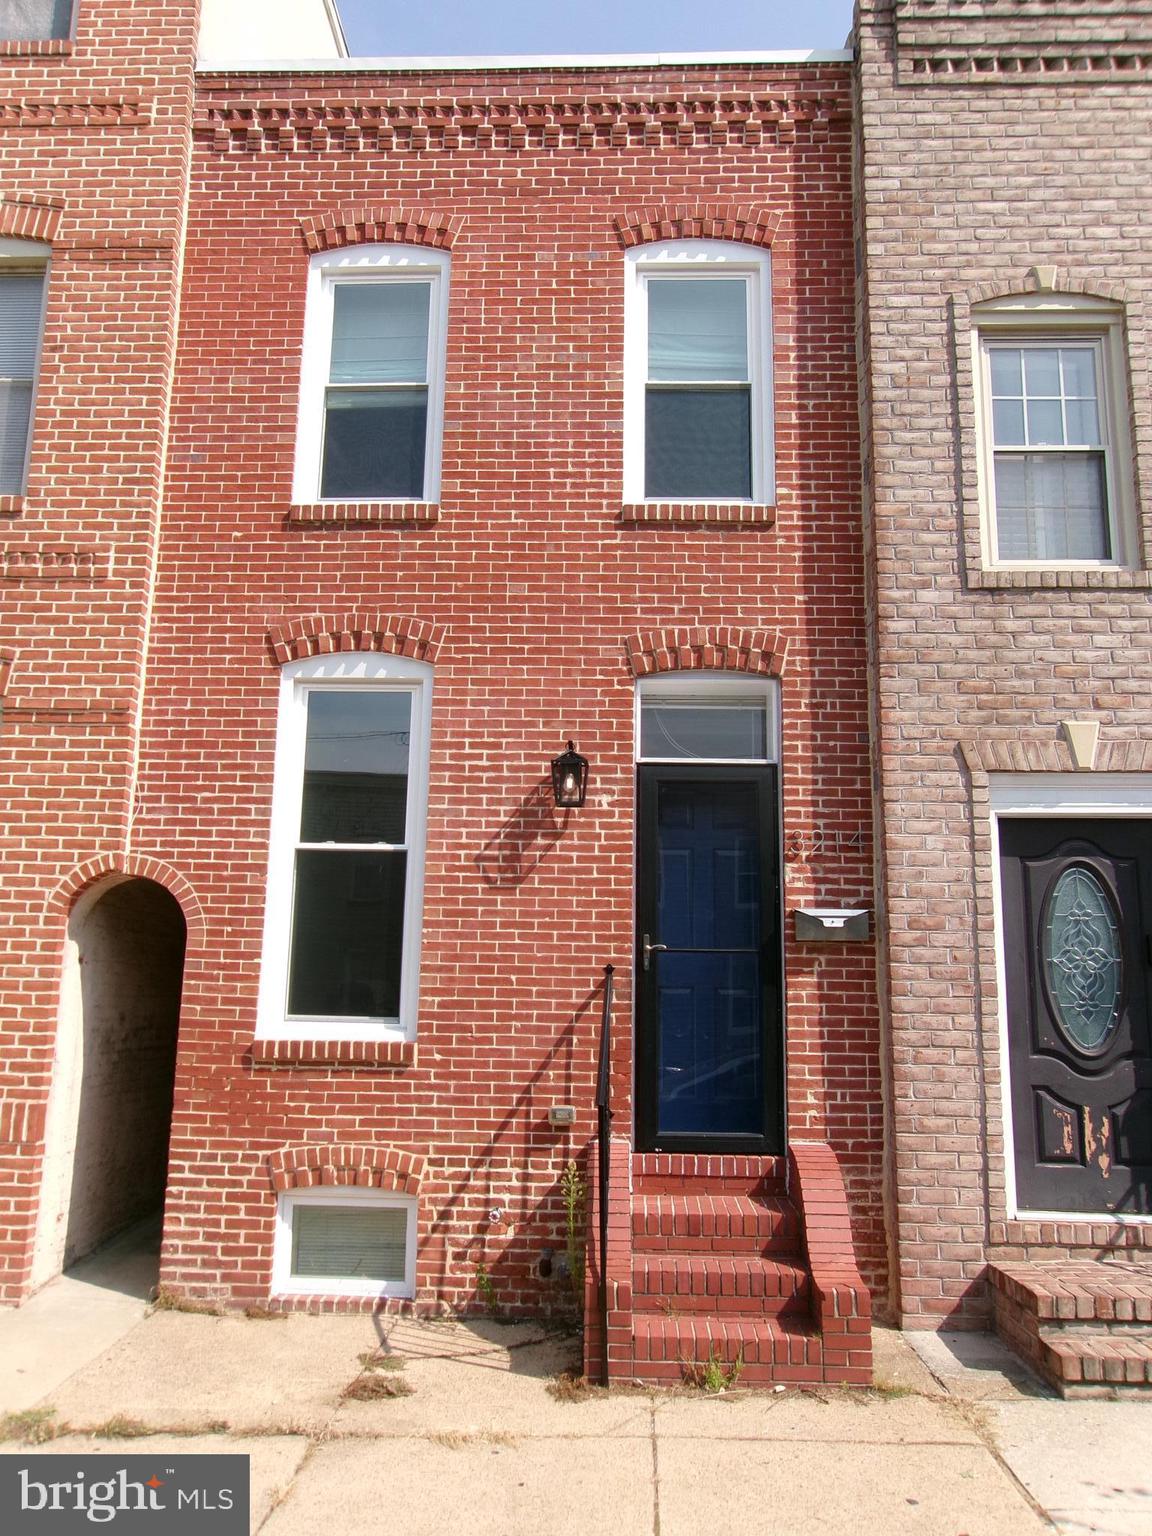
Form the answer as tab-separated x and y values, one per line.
594	122
38	563
29	218
324	634
49	113
1014	754
694	514
134	867
1022	42
342	1163
333	1053
360	226
697	221
708	647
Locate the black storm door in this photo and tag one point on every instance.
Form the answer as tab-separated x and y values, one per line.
1077	947
709	1020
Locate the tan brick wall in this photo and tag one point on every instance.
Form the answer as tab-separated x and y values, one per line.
992	139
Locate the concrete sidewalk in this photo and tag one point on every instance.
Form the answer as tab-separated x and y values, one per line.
361	1425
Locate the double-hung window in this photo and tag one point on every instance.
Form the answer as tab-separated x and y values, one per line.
345	869
371	402
1055	472
23	21
698	365
21	317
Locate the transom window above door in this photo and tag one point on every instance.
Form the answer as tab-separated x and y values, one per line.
697	416
701	717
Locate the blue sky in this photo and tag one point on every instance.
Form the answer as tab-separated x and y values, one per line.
386	27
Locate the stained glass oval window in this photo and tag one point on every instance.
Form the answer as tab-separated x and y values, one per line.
1082	958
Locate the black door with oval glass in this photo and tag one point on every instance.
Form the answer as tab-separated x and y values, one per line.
1077	899
709	1022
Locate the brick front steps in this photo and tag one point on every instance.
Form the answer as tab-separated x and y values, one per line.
739	1261
1084	1324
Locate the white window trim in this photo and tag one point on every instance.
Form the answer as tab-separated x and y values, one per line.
666	258
1019	795
284	1283
30	256
358	264
713	687
1060	318
358	670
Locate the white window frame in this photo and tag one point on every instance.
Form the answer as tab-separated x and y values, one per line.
29	256
695	258
1034	320
285	1283
712	688
366	264
363	671
1121	796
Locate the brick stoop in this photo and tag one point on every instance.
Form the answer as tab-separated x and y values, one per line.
1084	1324
741	1260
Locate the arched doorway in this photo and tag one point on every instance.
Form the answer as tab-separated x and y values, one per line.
110	1110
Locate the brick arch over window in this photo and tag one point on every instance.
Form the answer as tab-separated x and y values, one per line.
1068	281
345	1163
28	218
299	639
697	221
133	867
369	226
713	647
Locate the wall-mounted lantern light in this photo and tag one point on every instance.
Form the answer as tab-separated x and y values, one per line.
569	778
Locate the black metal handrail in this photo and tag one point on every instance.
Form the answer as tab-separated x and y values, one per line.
603	1130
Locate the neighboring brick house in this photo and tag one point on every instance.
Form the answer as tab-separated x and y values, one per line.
511	404
1002	205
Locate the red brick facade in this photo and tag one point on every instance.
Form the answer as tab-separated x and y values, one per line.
94	151
160	574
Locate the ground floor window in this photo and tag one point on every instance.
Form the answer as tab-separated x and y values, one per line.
347	1242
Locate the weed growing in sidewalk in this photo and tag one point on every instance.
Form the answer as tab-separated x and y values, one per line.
119	1427
32	1426
714	1374
371	1386
575	1191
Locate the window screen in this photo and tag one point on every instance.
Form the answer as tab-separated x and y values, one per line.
376	403
1051	485
21	301
349	1242
698	399
33	20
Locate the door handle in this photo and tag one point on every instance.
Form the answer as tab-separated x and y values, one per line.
649	950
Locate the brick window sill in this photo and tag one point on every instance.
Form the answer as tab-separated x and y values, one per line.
700	514
1036	578
338	514
38	47
343	1053
11	506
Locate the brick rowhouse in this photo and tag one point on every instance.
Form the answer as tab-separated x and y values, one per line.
537	594
999	154
94	146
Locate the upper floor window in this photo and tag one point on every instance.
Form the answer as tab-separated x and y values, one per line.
35	20
698	419
22	274
345	868
1055	467
372	388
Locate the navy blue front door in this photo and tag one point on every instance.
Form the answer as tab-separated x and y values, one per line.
709	1047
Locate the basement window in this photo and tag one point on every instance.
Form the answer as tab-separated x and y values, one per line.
345	1242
